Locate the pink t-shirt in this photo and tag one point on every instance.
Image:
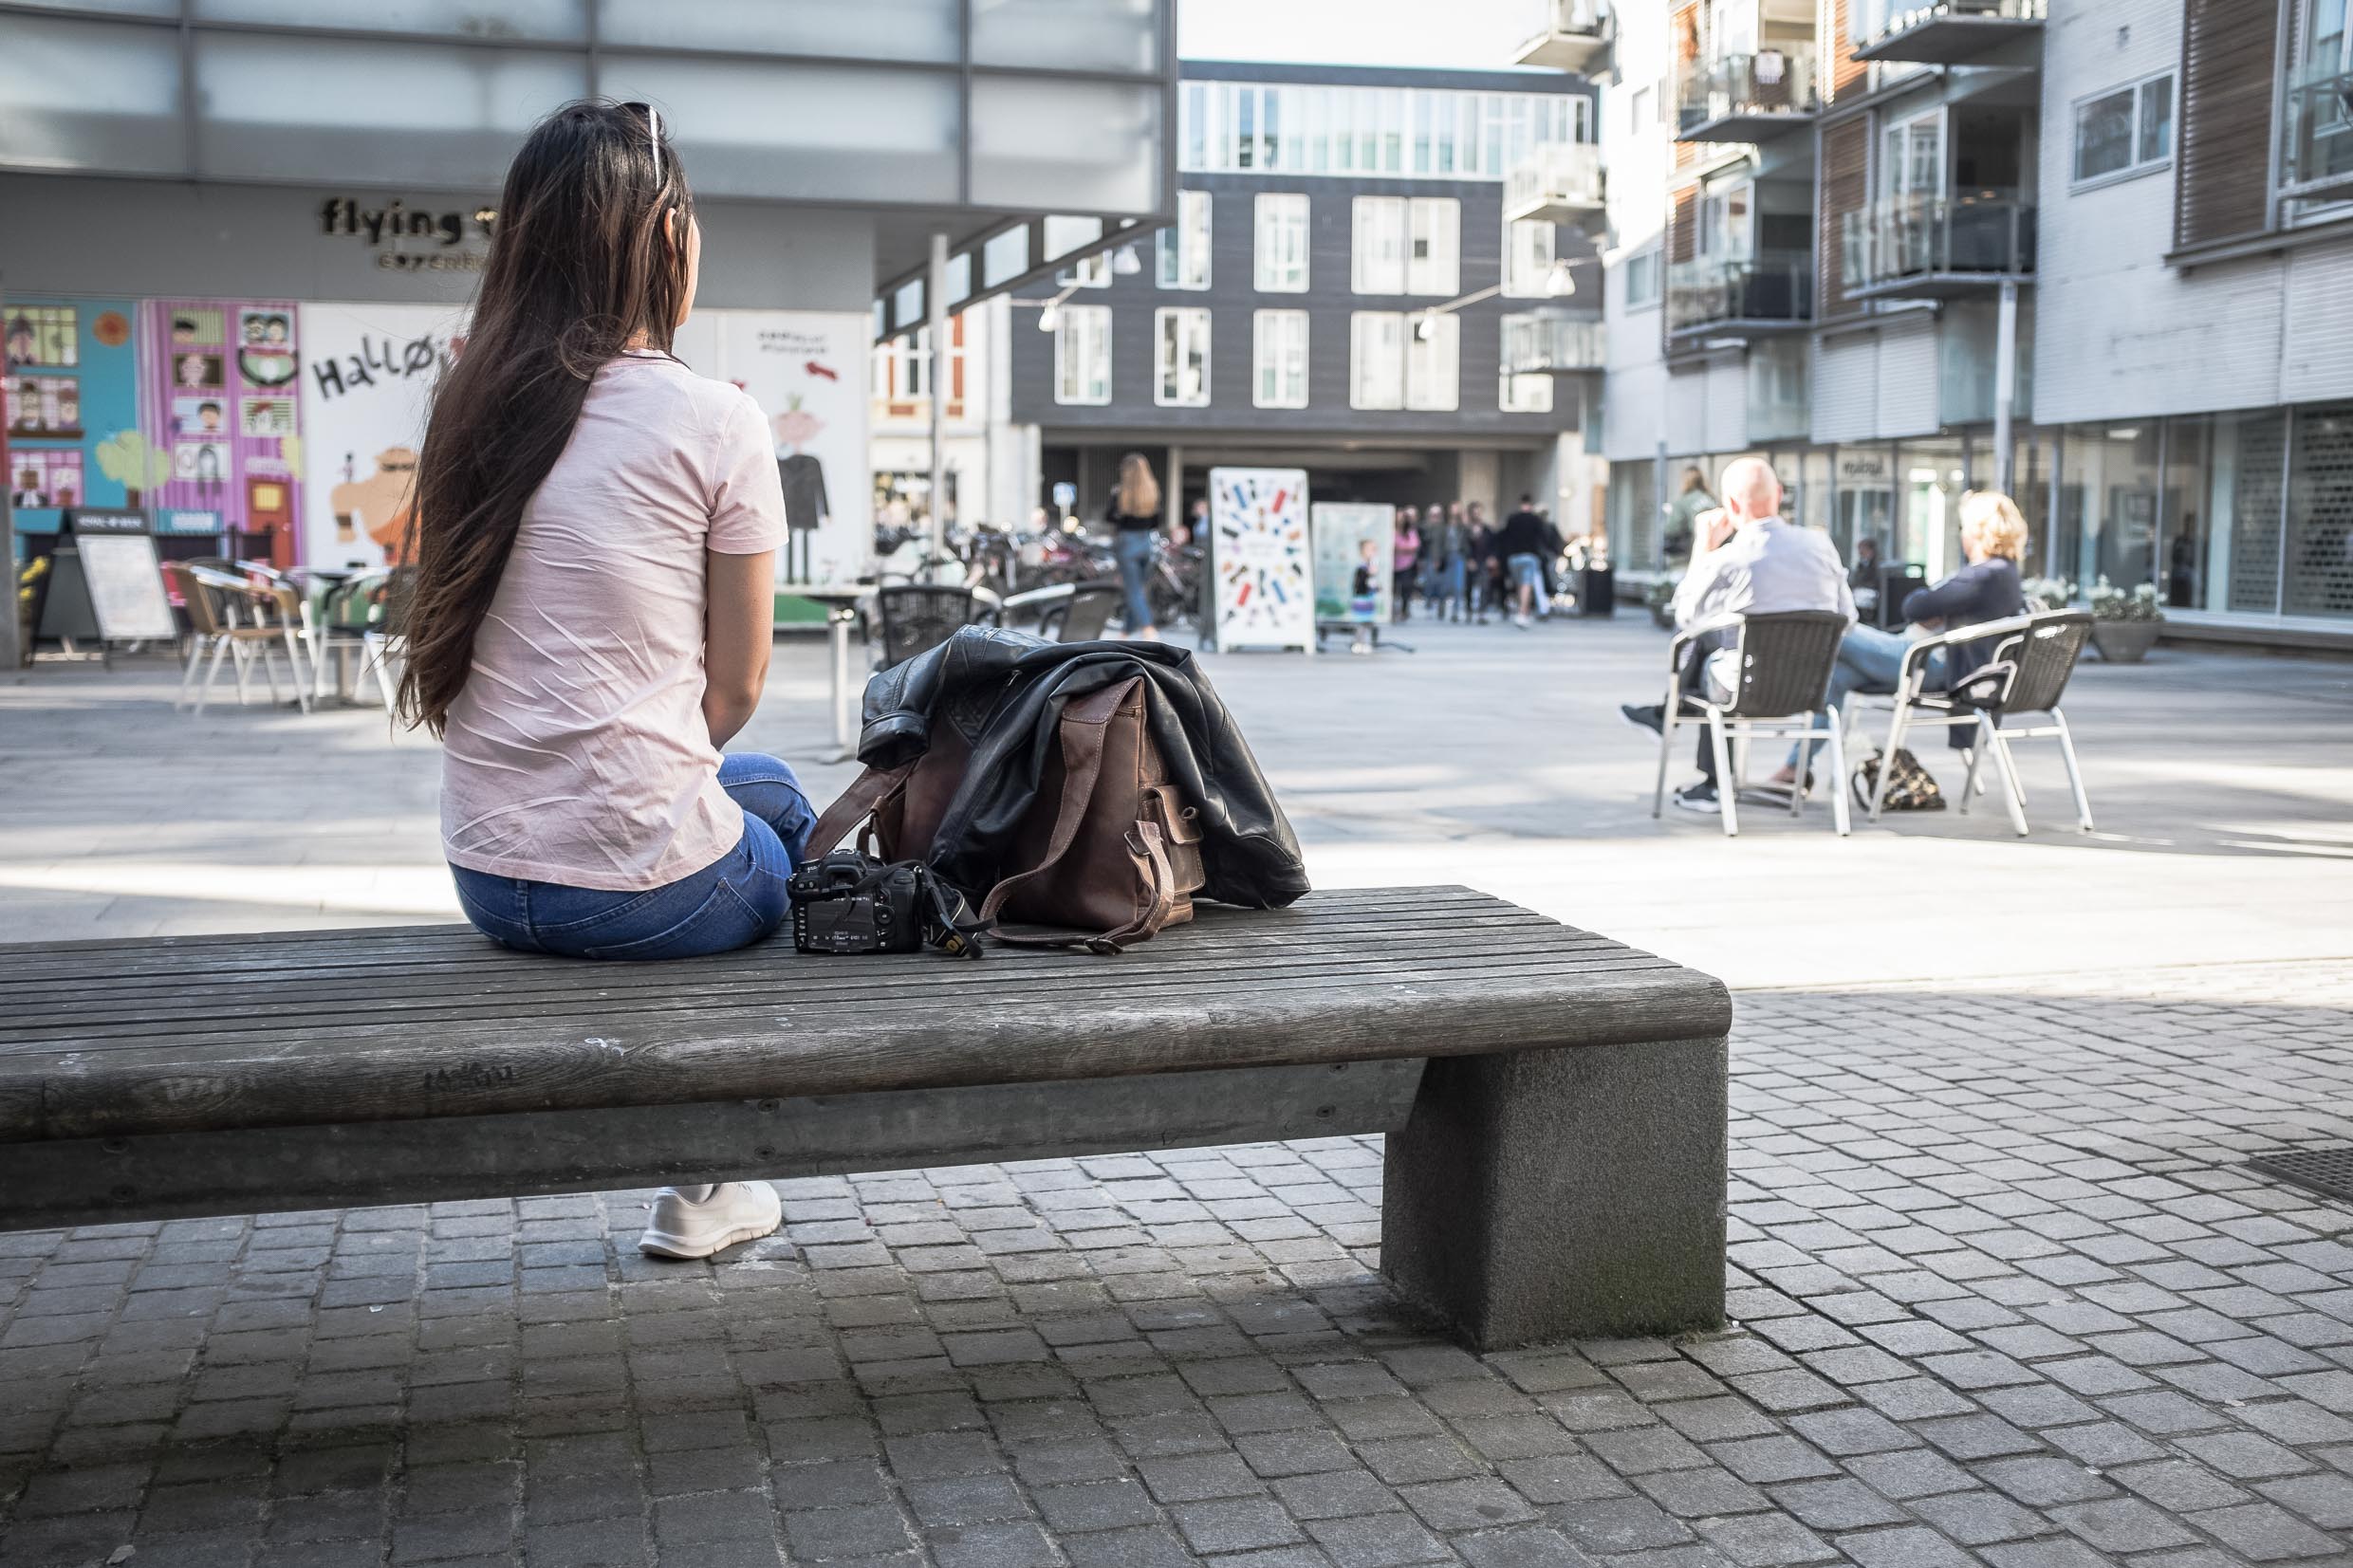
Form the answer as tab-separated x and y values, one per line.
577	751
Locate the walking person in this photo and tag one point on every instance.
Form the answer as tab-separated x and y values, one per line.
1453	577
1479	561
1683	516
1521	545
1135	518
1408	551
594	536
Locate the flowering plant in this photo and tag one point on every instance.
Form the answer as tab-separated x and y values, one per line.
2110	602
2048	592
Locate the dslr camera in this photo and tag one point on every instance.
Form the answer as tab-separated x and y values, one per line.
849	902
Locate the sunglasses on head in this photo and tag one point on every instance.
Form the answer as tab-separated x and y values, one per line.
653	132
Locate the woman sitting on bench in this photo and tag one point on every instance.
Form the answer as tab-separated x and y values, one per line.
594	538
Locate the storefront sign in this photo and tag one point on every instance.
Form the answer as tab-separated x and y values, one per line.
372	368
1258	553
430	237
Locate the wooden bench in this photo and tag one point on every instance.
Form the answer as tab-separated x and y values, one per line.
1554	1101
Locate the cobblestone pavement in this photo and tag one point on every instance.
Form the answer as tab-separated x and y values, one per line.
2005	1296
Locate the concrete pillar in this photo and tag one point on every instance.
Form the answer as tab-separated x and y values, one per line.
2004	381
936	302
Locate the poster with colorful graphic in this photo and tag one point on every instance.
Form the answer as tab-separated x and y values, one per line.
807	371
71	387
1350	536
1259	558
197	375
366	391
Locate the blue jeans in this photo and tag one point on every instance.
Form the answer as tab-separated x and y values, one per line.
1134	550
1526	571
1869	660
730	903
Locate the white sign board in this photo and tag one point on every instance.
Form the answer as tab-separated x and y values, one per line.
368	375
1343	532
126	587
807	370
1259	553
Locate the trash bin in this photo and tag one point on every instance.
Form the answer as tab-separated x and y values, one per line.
1897	583
1597	591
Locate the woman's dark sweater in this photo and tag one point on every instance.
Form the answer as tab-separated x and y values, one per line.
1986	591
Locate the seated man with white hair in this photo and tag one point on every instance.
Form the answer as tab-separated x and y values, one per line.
1750	563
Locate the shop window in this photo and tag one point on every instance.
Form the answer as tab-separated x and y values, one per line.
1281	242
1181	356
1183	247
1279	358
2317	571
1082	354
2127	131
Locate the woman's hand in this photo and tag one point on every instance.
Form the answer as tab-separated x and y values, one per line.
739	626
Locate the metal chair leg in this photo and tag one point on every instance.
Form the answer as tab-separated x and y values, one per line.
1887	759
188	677
1970	785
1805	766
1838	787
211	673
294	665
2075	773
2012	796
383	675
239	656
1726	800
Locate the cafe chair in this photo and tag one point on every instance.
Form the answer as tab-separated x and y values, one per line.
917	617
1781	663
225	622
2032	657
383	642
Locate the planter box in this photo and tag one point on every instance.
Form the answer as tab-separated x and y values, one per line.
2125	641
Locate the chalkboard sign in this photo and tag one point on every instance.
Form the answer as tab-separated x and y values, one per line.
106	583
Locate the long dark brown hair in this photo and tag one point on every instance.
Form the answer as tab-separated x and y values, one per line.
581	266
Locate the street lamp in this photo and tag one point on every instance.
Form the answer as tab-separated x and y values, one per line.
1558	284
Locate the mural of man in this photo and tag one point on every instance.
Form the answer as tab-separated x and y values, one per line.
381	503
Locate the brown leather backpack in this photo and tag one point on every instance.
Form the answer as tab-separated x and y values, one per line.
1108	848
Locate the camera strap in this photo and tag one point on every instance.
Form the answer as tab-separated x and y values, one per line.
948	921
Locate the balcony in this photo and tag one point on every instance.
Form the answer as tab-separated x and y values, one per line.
1747	96
1767	292
2318	151
1551	342
1575	33
1558	182
1936	248
1952	31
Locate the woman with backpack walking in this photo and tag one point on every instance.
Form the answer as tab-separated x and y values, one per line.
595	536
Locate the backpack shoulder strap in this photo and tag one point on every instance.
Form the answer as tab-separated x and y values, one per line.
854	805
1082	767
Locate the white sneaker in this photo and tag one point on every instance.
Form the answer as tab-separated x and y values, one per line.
735	1211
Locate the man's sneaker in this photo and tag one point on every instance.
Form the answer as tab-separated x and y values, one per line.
735	1211
1652	717
1521	622
1700	798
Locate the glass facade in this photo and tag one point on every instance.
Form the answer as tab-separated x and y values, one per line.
1063	99
1407	132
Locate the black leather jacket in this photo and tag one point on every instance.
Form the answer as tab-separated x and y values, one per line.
1004	691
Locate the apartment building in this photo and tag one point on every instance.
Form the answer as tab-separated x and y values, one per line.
2099	252
1380	275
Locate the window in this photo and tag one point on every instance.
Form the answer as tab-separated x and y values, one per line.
1377	359
1410	133
1527	259
1433	362
1404	360
903	373
1181	335
1638	110
1087	271
1376	256
1184	250
1524	394
2128	131
1641	275
1082	354
1279	358
1281	243
1433	257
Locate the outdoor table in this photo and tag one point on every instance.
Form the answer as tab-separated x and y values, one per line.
840	601
1033	600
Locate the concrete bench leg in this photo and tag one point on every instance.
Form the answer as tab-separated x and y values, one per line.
1560	1194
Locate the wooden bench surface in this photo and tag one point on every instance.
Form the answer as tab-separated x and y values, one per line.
101	1038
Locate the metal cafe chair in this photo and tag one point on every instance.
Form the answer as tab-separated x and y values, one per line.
2032	657
1782	662
225	623
918	617
385	641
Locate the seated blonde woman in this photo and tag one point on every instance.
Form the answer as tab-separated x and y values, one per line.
1994	537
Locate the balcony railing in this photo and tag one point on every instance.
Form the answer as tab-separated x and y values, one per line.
1550	343
1555	183
1949	31
2319	155
1570	35
1934	246
1776	286
1740	96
